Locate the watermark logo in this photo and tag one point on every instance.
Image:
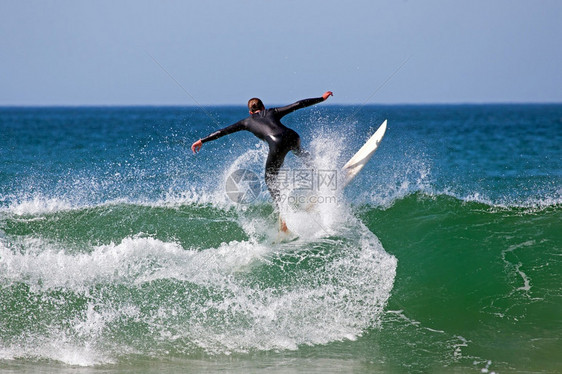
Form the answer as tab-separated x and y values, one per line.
243	186
307	180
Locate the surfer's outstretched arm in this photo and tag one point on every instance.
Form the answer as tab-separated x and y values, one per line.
196	147
282	111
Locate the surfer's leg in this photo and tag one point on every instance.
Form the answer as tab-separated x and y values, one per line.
273	164
295	144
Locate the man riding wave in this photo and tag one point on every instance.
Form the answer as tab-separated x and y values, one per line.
266	125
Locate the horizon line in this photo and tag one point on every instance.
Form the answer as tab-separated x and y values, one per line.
460	103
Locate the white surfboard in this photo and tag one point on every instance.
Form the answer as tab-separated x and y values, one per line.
363	155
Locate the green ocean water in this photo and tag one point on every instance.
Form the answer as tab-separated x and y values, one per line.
121	252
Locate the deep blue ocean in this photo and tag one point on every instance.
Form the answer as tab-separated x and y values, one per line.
121	251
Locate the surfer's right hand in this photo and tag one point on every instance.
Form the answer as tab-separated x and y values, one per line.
195	147
327	94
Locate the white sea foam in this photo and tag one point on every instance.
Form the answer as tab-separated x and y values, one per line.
508	255
38	205
334	301
43	265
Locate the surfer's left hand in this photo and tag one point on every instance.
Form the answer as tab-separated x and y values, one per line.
327	94
196	147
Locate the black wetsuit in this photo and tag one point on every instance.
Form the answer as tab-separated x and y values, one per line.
266	125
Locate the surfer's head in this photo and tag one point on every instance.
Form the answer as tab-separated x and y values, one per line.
255	105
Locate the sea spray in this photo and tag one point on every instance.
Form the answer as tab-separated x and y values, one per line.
120	248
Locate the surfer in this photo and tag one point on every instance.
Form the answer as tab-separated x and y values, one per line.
266	125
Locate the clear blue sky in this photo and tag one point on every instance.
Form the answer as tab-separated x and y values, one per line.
224	52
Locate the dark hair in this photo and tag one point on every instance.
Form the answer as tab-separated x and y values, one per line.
255	104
